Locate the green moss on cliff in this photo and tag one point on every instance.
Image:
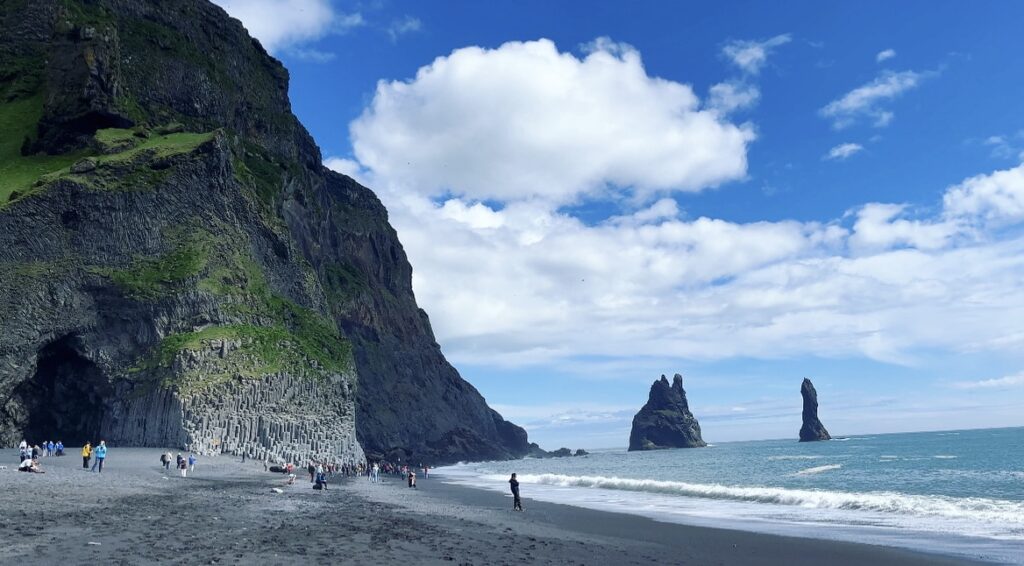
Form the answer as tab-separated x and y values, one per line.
151	278
19	172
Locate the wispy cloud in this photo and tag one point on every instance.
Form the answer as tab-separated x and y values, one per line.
751	56
843	151
885	55
1016	380
731	96
866	100
402	26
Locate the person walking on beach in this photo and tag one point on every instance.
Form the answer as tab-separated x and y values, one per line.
183	467
311	469
375	473
101	455
165	459
192	462
412	478
517	504
86	455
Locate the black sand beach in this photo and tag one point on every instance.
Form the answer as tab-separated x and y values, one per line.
227	513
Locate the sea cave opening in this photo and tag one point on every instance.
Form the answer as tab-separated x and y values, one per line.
66	397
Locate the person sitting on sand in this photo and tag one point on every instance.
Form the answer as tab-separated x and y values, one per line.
30	466
517	504
86	455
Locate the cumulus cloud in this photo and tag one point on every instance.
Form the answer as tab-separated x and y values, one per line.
866	101
284	24
477	156
525	121
843	151
996	198
751	56
885	55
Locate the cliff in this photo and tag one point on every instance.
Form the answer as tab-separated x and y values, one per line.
177	268
665	421
812	428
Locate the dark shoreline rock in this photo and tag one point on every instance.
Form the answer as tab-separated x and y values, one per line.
665	421
812	429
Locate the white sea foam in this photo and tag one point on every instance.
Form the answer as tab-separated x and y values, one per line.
961	508
793	457
818	469
945	457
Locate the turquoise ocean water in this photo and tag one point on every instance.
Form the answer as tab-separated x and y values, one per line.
955	492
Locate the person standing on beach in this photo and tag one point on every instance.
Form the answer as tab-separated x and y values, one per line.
192	462
182	466
517	504
86	455
101	455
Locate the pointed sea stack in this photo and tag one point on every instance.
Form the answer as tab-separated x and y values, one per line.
665	421
812	429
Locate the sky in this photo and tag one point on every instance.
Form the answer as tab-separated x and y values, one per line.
593	194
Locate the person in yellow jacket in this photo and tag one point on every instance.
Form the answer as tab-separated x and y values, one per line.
86	455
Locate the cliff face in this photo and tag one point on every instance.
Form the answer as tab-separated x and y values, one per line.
812	428
665	421
178	269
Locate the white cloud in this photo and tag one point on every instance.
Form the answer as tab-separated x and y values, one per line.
400	27
843	151
885	55
865	101
284	24
524	121
731	96
1016	380
880	226
476	157
750	56
996	198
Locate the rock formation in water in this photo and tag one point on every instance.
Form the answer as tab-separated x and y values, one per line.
812	428
665	421
177	268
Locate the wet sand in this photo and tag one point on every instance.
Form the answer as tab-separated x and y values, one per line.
226	513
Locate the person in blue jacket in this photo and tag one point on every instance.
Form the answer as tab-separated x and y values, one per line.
100	452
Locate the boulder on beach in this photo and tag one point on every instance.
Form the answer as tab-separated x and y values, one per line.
812	428
665	421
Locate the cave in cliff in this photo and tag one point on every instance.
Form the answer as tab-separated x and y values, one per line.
66	397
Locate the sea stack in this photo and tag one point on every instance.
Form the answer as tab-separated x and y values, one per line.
665	421
812	429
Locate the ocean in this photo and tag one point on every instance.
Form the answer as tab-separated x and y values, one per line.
959	493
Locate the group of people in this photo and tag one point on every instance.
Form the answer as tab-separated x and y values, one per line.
99	452
182	464
28	458
405	471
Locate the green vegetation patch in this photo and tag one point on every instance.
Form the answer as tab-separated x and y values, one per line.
254	169
18	173
151	278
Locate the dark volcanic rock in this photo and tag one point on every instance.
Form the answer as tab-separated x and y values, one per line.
812	428
580	452
665	421
201	280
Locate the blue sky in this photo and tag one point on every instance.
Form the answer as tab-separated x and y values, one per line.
593	194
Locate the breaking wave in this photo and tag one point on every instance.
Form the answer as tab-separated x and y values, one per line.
975	508
818	469
796	457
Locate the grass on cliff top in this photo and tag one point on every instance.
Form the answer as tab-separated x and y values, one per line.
18	119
